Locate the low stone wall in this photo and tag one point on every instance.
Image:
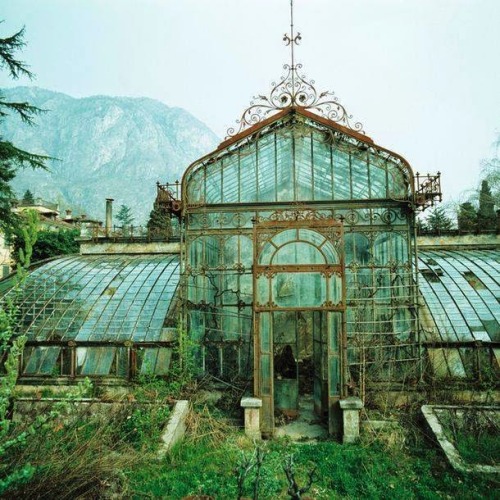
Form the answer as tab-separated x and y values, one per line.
432	416
459	241
30	408
27	409
111	247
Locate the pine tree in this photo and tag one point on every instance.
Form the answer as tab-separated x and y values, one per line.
28	198
11	157
124	216
486	217
438	221
421	225
467	217
159	222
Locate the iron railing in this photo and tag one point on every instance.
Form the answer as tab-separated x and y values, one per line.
131	233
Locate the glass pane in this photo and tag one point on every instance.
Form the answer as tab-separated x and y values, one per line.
377	177
50	365
341	188
298	253
390	247
262	290
323	179
304	168
357	248
248	175
360	180
265	374
335	330
230	179
265	333
398	184
214	184
163	359
284	166
334	376
266	172
246	251
196	189
335	289
298	289
230	254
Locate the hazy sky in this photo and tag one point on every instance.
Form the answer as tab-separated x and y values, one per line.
423	76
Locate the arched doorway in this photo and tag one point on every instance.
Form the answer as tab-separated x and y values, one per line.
299	305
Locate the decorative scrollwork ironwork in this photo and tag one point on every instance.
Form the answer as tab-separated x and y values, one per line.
295	90
351	218
295	215
388	216
239	267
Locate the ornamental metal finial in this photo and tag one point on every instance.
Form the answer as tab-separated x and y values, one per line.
292	39
294	90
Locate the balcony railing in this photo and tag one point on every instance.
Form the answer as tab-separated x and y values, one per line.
427	190
171	232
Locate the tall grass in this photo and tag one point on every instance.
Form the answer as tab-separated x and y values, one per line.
86	456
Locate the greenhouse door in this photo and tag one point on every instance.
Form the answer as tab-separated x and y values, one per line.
298	316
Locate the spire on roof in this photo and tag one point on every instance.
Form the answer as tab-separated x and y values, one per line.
294	90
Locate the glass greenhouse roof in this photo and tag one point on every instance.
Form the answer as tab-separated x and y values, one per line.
297	160
461	289
99	298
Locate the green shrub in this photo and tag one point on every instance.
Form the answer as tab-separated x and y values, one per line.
143	426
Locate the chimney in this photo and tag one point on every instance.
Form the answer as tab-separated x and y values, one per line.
109	216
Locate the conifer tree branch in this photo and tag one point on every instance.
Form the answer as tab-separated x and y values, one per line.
8	47
25	110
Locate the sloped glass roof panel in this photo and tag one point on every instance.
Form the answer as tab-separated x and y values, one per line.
460	292
99	298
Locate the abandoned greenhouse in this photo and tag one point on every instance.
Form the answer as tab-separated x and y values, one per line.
296	269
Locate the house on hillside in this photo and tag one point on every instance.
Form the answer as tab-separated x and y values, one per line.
49	220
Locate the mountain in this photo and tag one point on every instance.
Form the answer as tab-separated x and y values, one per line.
107	147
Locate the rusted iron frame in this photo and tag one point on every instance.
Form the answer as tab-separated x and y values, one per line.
291	111
304	205
386	361
95	343
275	308
277	225
193	233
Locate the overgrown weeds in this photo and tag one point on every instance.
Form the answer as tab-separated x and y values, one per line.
219	461
85	453
205	426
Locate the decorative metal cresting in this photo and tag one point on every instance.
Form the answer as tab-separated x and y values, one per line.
294	90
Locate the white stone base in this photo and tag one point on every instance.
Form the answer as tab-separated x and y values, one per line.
176	427
252	417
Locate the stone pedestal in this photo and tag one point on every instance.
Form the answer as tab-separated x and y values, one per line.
350	418
252	417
